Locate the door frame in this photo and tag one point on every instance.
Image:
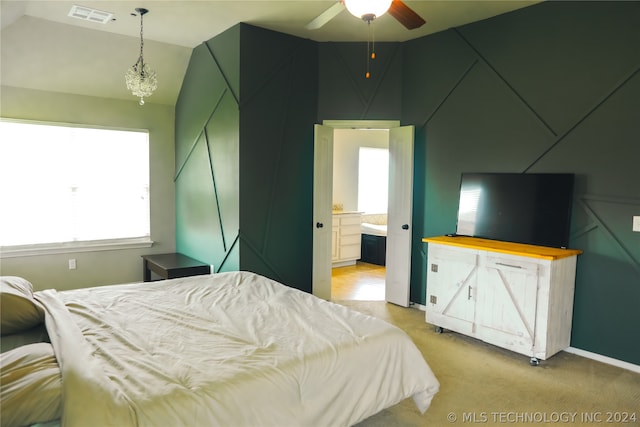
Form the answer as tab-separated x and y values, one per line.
358	124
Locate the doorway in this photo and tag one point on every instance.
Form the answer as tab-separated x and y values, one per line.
360	184
398	260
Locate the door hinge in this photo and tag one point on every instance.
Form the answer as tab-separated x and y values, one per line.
433	299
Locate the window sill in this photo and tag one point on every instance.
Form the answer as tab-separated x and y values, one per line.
72	247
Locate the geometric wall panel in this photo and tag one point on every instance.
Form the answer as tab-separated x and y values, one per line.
277	111
243	192
553	87
207	178
561	56
608	284
345	93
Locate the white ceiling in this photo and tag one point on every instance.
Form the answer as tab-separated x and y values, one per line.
43	48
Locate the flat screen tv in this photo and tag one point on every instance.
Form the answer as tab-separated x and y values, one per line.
526	208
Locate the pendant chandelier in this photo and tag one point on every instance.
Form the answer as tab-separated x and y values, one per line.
141	79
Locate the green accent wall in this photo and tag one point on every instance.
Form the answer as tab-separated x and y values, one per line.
207	154
554	87
244	146
277	111
345	93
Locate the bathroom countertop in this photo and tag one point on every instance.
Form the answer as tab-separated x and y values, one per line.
345	212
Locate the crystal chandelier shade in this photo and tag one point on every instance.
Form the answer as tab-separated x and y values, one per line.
140	78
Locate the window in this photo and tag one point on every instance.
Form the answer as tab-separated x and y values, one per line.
373	180
66	187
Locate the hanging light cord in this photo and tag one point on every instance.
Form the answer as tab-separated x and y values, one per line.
371	48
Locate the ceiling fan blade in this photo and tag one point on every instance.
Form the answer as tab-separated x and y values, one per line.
405	15
325	16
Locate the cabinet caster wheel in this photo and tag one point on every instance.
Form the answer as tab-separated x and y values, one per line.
534	361
439	329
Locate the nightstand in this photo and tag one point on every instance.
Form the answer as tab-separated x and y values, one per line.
170	266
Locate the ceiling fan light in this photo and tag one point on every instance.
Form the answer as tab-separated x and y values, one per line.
364	8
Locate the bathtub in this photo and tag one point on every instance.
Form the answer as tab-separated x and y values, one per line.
374	229
374	243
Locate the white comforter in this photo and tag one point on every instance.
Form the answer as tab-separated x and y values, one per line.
230	349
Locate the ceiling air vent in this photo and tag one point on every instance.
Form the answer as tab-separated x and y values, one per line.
90	14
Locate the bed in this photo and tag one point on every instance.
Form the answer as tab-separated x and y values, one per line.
227	349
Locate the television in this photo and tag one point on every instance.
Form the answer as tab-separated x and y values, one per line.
531	208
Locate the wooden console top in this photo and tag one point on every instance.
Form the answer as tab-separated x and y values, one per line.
521	249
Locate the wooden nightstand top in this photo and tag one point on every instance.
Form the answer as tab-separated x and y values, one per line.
170	266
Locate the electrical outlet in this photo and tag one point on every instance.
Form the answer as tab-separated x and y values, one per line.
72	264
636	223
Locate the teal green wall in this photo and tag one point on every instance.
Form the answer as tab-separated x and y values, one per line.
554	87
207	154
244	146
551	88
345	93
277	111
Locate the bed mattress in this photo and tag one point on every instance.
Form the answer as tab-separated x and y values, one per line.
226	349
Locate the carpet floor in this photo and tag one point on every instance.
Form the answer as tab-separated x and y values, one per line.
484	384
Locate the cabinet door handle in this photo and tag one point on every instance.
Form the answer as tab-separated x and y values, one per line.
508	265
469	293
319	225
405	227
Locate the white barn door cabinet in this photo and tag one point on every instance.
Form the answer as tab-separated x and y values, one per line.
515	296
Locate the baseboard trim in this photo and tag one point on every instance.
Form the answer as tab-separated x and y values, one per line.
604	359
418	306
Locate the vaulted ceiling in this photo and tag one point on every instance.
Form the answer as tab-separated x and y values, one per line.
43	48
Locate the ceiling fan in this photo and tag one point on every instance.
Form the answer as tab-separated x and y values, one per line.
398	9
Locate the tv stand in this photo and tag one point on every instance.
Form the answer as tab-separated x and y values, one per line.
515	296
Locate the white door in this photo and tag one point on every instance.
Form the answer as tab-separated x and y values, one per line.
322	200
399	215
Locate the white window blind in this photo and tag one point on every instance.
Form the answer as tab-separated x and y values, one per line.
63	183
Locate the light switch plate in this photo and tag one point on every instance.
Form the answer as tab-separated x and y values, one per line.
636	223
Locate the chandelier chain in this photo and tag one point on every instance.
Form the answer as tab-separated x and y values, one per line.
141	58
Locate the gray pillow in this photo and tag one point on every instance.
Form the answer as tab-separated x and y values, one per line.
18	310
31	390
